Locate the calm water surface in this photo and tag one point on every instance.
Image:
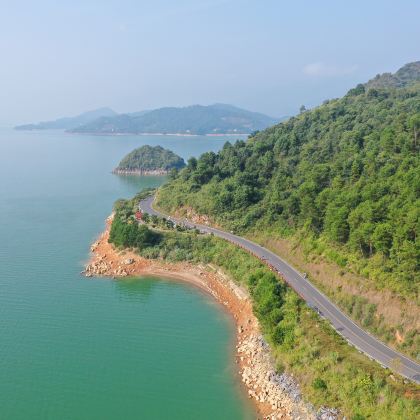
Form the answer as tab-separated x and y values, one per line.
77	348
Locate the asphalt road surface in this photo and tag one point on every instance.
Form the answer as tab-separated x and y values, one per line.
355	335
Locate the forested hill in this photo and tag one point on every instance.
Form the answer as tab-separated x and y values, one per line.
150	159
346	173
195	119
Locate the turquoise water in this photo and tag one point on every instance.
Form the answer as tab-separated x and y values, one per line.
77	348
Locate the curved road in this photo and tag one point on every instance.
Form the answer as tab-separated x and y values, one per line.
356	336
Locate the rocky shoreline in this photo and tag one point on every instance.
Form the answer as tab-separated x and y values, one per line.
276	396
117	171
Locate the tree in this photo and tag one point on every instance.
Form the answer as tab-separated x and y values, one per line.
414	124
192	163
146	218
382	238
145	237
358	90
336	223
173	173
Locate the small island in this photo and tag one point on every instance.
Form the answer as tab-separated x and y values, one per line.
148	160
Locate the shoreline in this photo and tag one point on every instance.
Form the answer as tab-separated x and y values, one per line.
275	396
150	134
140	172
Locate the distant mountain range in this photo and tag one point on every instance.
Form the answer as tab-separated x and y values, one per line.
69	123
196	119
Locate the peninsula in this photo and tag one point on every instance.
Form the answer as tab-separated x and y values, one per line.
148	160
275	394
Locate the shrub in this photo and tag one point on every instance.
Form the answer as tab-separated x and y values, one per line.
319	384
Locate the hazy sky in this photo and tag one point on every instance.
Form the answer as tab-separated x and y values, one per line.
63	57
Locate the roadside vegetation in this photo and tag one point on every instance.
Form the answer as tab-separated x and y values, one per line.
342	181
329	371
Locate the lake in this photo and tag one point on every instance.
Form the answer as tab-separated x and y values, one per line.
78	348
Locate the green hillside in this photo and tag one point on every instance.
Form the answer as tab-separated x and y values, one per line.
345	174
148	158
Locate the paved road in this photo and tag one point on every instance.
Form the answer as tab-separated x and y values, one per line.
355	335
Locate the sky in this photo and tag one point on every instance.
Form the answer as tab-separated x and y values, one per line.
60	58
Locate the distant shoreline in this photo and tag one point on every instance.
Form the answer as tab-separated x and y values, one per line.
140	172
38	130
156	134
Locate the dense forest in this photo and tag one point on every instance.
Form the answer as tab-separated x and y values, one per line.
346	173
149	158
